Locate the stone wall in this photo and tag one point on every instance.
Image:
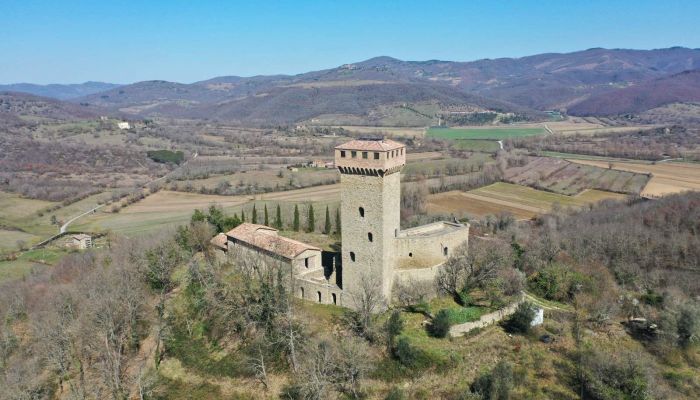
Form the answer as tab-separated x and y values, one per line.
485	320
310	289
428	245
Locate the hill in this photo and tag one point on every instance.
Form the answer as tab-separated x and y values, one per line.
678	88
360	90
58	91
18	108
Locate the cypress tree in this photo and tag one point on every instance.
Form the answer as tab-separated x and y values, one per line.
311	225
242	216
267	217
327	225
255	215
337	221
278	218
295	224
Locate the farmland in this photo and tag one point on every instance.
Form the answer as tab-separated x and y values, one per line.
568	178
520	201
667	177
167	209
498	133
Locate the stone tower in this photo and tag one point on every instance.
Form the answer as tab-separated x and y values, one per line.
370	200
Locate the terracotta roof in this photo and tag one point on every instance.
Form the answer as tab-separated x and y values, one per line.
220	241
266	238
374	145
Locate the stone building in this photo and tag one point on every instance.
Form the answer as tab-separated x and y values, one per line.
374	248
80	241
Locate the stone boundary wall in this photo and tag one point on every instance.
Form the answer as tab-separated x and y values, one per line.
486	319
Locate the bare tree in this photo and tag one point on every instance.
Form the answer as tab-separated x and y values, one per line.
473	266
367	300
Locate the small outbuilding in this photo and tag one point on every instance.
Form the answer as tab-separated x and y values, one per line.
80	241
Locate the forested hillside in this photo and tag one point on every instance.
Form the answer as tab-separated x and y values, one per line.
161	318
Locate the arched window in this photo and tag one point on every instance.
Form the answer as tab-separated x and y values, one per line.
410	254
369	236
306	262
319	296
362	212
352	256
444	250
335	300
301	292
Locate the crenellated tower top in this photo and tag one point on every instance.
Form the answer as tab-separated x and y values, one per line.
370	157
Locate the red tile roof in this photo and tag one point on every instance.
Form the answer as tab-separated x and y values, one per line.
220	241
373	145
266	238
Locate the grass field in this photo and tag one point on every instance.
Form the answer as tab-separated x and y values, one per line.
499	133
27	261
667	178
521	201
489	146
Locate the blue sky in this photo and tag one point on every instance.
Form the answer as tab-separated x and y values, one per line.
185	41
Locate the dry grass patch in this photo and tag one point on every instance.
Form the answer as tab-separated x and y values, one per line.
667	177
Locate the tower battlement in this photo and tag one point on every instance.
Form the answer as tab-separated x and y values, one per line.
370	157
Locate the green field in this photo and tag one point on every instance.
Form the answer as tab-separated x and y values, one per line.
488	146
27	261
483	133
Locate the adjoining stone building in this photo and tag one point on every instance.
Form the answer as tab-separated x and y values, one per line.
374	248
80	241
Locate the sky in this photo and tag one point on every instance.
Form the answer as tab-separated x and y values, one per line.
57	41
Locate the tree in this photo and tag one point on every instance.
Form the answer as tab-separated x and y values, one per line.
254	218
295	224
521	320
327	225
393	328
160	264
688	325
278	218
473	266
495	385
440	325
242	215
311	220
368	300
337	222
267	217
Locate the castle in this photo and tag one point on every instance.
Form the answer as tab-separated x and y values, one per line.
374	248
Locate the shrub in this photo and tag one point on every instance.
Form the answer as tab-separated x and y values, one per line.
521	319
465	298
607	377
396	393
495	385
415	359
441	324
653	298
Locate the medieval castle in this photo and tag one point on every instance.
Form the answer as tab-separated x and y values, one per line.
374	248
